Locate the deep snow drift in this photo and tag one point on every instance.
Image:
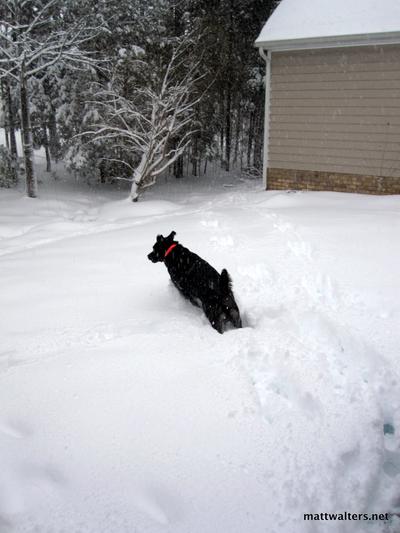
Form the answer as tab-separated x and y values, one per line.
122	410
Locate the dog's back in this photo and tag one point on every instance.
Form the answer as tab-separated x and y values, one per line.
191	274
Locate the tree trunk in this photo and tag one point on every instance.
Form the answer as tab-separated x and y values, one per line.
4	109
46	148
7	137
250	138
102	172
26	130
259	132
237	134
221	144
178	167
258	141
11	129
228	108
140	176
228	125
222	129
54	142
195	157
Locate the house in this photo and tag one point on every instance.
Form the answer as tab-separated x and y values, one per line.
332	96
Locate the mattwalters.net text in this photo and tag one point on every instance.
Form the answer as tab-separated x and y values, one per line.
347	516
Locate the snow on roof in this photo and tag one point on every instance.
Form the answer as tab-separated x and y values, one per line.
297	22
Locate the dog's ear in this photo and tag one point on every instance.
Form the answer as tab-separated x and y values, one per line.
160	238
171	235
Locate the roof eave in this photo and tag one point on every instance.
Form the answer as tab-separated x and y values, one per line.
374	39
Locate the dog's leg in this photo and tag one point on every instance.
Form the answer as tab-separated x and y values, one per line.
215	320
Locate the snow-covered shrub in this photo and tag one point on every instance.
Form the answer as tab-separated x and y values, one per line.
251	173
8	176
79	161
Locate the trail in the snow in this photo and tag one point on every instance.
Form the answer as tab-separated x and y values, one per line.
307	331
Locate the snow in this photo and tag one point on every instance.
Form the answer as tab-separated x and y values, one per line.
122	410
309	19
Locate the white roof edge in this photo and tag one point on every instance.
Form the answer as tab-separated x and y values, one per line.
369	39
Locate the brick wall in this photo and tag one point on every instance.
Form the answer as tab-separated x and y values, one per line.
283	179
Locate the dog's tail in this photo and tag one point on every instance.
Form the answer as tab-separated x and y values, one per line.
225	282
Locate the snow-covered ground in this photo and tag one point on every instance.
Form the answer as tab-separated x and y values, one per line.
123	411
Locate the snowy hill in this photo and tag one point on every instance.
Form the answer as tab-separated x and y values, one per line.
122	410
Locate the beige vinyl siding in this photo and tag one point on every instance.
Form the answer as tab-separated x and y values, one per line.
336	110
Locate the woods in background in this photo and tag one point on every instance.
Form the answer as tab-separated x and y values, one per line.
124	89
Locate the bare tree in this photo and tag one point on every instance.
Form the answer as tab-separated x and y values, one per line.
10	125
156	125
30	43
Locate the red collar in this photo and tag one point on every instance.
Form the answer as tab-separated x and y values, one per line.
169	250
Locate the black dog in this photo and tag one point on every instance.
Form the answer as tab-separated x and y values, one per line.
198	281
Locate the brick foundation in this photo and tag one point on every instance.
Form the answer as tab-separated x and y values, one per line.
283	179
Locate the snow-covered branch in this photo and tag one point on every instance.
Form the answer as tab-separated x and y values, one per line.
156	121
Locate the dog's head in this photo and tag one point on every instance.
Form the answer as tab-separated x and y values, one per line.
160	247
